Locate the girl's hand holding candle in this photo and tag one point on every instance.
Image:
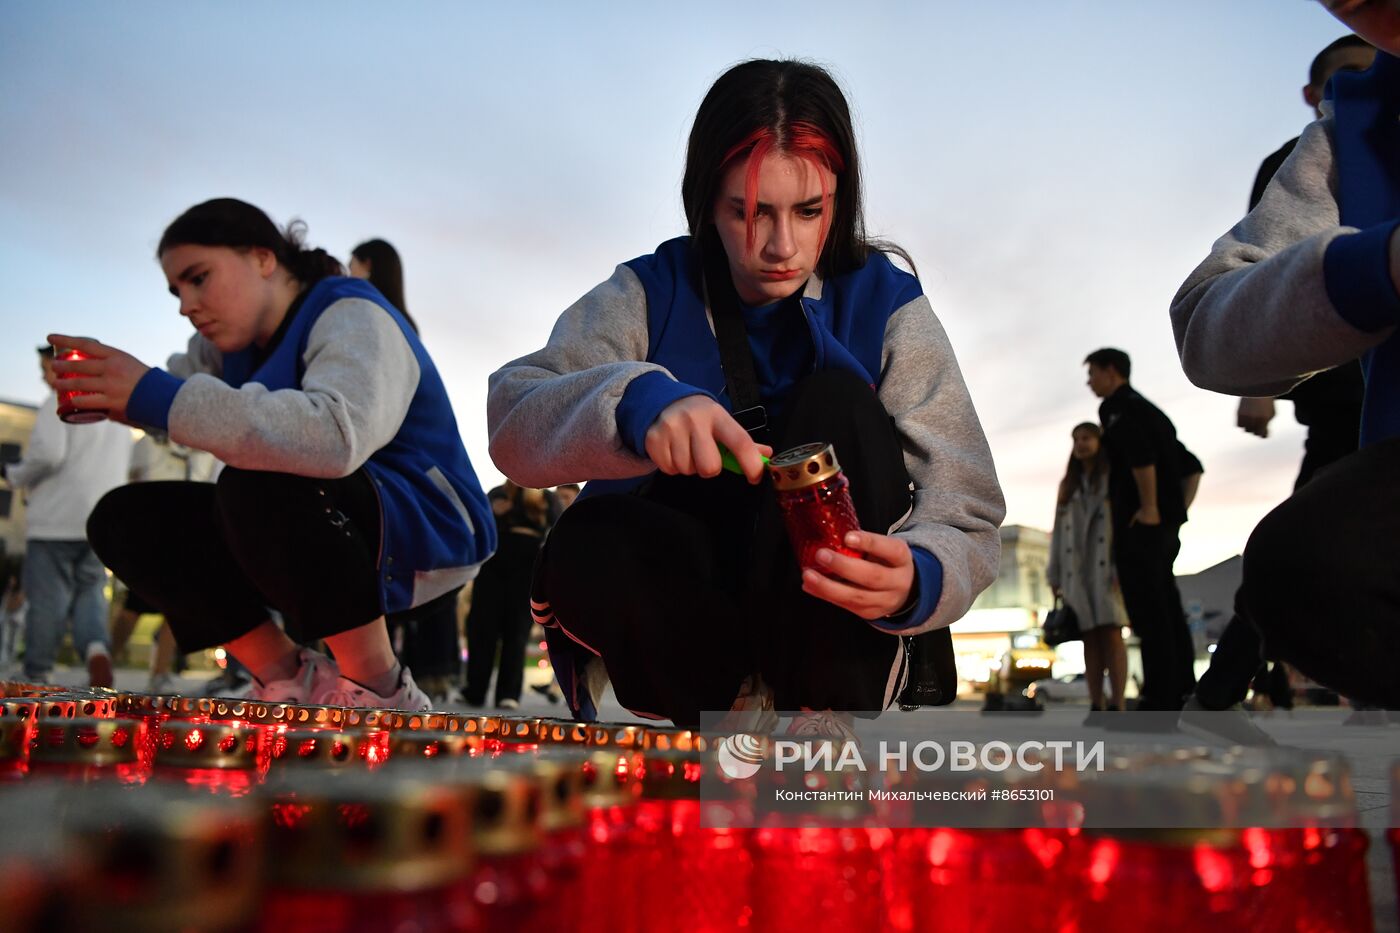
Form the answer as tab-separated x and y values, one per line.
877	584
101	380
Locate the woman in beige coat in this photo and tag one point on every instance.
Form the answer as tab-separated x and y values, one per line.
1081	566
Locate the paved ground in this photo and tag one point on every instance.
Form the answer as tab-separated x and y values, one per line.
1371	750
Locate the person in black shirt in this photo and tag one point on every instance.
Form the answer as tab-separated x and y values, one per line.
1148	505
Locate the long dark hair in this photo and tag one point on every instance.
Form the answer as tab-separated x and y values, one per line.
385	273
786	106
1074	472
239	225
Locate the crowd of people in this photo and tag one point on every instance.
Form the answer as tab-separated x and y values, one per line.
328	550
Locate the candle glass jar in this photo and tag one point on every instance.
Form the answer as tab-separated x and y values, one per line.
815	498
67	411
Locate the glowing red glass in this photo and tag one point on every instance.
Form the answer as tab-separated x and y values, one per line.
67	411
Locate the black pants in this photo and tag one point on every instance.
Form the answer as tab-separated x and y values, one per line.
427	637
690	586
1238	659
1322	577
1143	556
213	556
500	618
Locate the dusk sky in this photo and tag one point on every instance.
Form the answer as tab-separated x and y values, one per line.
1055	170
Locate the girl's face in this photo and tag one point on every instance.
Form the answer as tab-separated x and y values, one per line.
358	270
1376	21
788	226
227	294
1086	445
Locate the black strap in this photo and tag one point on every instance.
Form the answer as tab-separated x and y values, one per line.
735	354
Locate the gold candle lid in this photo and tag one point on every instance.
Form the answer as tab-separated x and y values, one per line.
218	746
56	707
506	819
14	739
425	746
22	710
485	726
161	859
401	832
563	732
98	742
803	466
671	776
518	731
681	740
329	749
612	735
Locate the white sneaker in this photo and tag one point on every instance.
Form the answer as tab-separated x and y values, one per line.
345	692
509	703
161	683
752	711
823	723
315	675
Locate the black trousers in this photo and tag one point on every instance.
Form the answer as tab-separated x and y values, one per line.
1239	659
427	637
1322	577
500	618
689	586
1143	556
213	556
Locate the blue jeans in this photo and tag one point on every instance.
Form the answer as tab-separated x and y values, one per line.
63	580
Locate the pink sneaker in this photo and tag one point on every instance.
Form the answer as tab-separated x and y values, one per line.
315	675
345	692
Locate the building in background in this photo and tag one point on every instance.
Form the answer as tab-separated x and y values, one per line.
1012	606
16	424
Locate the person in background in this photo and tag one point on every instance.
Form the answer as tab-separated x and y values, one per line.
1329	405
1306	283
65	470
1147	494
12	610
500	613
425	638
347	493
1081	569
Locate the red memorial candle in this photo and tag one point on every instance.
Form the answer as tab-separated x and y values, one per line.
816	501
67	411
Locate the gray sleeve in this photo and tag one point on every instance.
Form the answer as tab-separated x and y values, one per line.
1254	318
360	376
200	356
958	504
552	414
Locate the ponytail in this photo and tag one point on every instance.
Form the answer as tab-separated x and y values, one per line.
239	225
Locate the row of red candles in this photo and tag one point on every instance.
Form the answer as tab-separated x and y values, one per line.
643	860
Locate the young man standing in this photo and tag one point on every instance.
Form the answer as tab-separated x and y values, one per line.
65	470
1145	492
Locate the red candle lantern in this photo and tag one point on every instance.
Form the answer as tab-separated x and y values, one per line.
815	498
820	867
362	854
566	732
163	860
17	717
700	864
509	885
606	892
88	750
432	746
67	411
325	749
217	757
